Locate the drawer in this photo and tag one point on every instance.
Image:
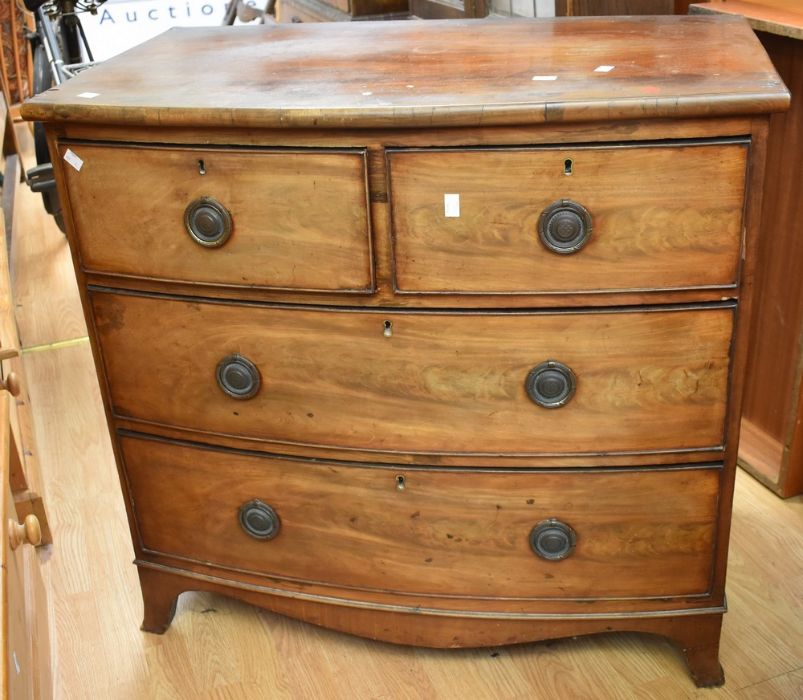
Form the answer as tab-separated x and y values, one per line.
447	532
649	218
425	382
279	219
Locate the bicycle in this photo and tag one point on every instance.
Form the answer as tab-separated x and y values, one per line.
59	50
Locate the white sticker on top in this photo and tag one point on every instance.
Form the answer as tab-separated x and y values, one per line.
545	77
73	160
88	95
604	69
451	206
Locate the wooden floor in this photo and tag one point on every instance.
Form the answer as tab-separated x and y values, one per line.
219	648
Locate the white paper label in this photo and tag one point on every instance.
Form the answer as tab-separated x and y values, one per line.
73	160
451	206
88	95
545	77
604	69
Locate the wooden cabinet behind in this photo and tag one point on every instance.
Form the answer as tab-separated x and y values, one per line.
772	429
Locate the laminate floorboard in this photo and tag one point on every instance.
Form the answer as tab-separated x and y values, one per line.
224	649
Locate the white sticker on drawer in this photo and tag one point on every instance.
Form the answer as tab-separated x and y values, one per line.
451	206
73	160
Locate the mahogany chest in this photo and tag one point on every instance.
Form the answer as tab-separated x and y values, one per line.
428	332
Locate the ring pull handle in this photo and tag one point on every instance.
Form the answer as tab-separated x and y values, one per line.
551	384
565	227
208	222
552	539
259	520
238	377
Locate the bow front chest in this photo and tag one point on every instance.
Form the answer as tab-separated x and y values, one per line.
431	332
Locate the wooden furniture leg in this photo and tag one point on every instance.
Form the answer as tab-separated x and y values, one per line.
698	640
159	597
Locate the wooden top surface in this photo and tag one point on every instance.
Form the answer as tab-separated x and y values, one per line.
783	17
429	73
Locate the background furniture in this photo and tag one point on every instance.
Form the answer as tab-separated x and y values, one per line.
580	8
296	11
353	375
771	447
338	10
24	635
15	60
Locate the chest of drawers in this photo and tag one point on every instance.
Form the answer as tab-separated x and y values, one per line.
429	355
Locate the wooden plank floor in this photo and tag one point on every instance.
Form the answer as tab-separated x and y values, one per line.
219	648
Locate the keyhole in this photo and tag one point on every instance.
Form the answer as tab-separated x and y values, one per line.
400	482
567	166
201	168
387	329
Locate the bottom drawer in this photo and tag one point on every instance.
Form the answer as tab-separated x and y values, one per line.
441	532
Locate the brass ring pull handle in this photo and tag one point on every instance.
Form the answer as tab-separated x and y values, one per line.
553	540
564	227
238	377
208	222
550	384
259	520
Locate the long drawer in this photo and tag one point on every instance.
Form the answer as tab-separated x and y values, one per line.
564	534
639	380
568	219
279	219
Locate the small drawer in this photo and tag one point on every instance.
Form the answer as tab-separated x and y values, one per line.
280	219
567	220
534	383
565	534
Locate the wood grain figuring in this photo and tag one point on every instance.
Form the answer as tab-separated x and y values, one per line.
299	218
222	643
662	218
645	380
387	386
450	533
346	74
